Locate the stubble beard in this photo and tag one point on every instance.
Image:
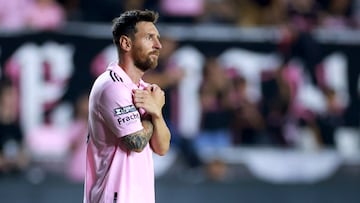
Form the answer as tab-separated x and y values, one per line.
145	64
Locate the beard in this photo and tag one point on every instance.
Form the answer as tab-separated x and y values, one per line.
145	63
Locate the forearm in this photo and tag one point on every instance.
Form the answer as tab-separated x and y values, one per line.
160	140
152	99
138	140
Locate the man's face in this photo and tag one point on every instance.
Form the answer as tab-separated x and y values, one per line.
146	46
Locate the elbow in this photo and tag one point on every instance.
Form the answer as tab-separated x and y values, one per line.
135	143
160	146
162	151
138	150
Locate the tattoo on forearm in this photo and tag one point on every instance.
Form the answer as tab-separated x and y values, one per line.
137	141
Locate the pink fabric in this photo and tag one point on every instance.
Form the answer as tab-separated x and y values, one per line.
20	14
47	142
98	64
335	22
46	17
112	170
76	167
183	8
13	14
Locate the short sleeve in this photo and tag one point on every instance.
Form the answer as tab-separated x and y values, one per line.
118	110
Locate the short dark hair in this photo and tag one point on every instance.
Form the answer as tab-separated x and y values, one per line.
125	24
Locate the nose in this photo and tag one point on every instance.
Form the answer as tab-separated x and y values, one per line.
157	44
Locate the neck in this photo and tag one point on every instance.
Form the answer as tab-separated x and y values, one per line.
132	71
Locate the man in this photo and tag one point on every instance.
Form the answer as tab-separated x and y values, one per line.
13	156
126	124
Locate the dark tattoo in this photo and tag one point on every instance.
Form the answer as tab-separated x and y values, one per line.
138	140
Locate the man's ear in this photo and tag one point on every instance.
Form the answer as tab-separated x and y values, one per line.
125	43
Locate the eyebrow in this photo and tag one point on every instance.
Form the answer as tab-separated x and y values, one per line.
154	34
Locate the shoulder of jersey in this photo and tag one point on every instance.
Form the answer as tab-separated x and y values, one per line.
115	77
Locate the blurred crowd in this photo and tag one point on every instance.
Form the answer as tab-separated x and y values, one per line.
228	113
305	14
245	98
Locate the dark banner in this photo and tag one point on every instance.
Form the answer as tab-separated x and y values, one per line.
52	68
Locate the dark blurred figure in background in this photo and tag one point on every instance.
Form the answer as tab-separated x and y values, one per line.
303	15
100	11
77	131
13	156
106	10
275	106
216	115
252	13
327	122
168	76
72	9
215	106
247	125
337	14
297	40
219	11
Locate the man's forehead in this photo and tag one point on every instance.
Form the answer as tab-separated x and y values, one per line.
147	27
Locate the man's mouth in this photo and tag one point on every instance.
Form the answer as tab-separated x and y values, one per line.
155	53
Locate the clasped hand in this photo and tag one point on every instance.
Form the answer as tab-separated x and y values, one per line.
151	99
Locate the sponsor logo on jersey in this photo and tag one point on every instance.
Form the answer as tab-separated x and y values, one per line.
124	110
129	118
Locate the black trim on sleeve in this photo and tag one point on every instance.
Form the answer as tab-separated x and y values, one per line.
115	77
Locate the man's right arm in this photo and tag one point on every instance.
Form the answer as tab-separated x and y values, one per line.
138	140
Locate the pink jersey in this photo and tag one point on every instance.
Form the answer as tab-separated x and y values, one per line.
112	171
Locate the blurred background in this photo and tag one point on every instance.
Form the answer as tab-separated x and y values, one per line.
262	98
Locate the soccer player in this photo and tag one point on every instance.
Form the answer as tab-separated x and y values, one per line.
126	124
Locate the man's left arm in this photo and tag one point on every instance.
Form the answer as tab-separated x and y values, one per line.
152	99
160	140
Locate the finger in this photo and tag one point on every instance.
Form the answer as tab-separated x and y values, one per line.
159	91
141	93
139	104
152	87
138	97
135	91
155	86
